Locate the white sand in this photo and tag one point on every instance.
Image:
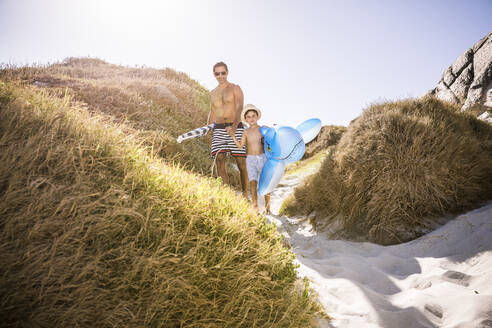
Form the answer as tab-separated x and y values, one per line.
443	279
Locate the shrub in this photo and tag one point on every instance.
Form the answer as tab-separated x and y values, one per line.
400	166
328	136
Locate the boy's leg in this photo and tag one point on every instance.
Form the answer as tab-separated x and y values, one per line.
254	195
267	204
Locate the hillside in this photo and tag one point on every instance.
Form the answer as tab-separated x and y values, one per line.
158	104
99	231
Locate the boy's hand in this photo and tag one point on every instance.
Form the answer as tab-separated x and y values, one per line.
229	130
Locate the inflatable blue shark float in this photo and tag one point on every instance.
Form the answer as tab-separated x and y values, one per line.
284	145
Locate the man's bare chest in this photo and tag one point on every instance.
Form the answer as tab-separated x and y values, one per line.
222	97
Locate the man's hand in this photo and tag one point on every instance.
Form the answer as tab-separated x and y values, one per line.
230	130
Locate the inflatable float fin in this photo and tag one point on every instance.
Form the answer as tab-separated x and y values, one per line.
309	129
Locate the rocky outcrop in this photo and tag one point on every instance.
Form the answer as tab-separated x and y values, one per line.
468	81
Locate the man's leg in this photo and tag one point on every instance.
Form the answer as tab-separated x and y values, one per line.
220	161
241	164
254	194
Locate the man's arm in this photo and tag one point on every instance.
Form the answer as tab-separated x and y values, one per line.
211	116
239	103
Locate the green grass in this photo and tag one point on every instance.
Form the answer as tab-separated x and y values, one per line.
316	151
98	231
399	167
306	166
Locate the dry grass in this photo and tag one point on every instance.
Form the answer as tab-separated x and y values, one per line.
328	136
399	167
158	103
97	231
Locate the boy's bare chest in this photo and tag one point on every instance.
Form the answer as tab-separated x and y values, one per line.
254	136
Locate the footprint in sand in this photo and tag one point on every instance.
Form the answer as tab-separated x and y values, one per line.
434	309
423	285
332	271
457	277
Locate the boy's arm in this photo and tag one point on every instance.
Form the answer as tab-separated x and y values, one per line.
241	144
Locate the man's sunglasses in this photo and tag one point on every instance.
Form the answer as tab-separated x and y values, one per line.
220	73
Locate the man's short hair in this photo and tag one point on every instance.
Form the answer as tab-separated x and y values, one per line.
221	64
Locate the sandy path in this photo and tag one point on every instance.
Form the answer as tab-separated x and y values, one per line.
443	279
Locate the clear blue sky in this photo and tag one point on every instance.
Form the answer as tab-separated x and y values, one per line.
293	59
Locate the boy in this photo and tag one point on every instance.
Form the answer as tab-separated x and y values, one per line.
255	154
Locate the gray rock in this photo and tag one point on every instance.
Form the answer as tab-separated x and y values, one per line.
486	116
448	77
463	61
462	84
468	80
444	93
488	96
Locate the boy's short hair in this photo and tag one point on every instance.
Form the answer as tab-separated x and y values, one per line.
250	110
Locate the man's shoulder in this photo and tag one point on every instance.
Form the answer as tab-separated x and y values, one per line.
230	86
233	86
237	89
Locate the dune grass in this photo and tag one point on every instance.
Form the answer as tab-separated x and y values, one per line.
399	167
307	166
160	104
98	231
328	136
316	152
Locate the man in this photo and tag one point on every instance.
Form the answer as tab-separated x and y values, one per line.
226	105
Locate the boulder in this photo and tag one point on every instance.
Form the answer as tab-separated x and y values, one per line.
468	81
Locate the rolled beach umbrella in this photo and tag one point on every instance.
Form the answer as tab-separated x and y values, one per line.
196	133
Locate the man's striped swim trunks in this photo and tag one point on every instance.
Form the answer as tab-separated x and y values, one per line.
222	142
